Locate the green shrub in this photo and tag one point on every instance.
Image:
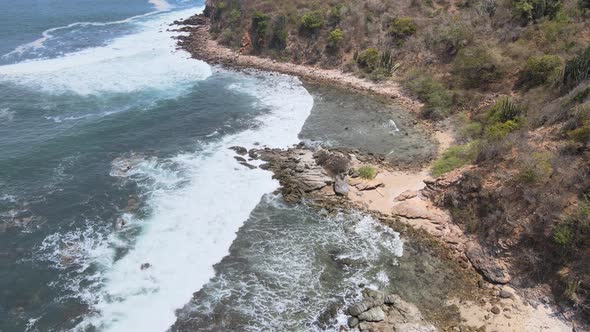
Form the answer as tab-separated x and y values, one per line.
563	234
530	10
335	15
451	38
581	134
455	157
368	59
335	37
475	66
436	97
539	70
576	70
279	37
259	29
498	131
312	21
402	27
367	172
472	130
535	167
503	110
581	95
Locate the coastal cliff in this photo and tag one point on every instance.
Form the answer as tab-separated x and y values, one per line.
509	77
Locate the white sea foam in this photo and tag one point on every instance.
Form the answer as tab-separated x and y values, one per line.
161	5
191	228
6	114
146	60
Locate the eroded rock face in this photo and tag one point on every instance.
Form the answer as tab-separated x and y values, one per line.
491	268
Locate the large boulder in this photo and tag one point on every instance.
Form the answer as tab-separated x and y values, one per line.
372	315
340	185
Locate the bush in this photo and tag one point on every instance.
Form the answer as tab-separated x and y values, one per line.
402	27
279	37
436	97
335	15
475	66
368	59
530	10
503	110
335	37
455	157
581	134
498	131
367	172
563	235
539	70
312	21
472	130
584	5
259	29
451	38
535	167
576	70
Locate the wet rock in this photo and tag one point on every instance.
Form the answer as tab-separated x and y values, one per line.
372	315
341	186
360	307
242	151
492	269
265	166
253	154
240	159
353	322
250	166
145	266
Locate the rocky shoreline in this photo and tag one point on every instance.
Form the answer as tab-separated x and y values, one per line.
329	179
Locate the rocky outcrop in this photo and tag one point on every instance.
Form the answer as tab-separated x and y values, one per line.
380	312
242	151
340	185
492	269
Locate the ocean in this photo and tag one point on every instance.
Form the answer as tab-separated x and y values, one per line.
120	197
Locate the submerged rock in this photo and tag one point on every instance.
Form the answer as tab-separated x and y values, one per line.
250	166
373	315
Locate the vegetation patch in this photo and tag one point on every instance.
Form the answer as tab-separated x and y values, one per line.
539	70
436	97
367	172
455	157
476	67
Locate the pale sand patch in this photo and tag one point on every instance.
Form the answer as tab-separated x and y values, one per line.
515	316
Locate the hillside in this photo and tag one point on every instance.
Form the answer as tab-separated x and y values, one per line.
512	76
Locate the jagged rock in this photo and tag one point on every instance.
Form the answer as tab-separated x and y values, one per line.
253	154
265	166
392	299
145	266
314	180
492	269
340	185
240	159
358	308
353	322
242	151
372	315
375	295
250	166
